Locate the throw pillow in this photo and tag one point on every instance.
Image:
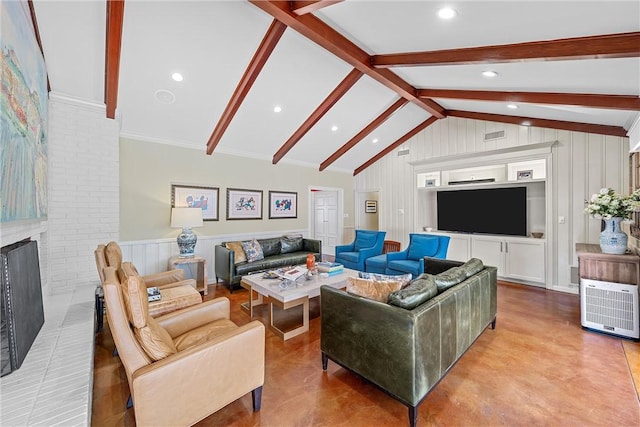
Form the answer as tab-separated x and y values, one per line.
155	340
238	253
450	278
473	266
372	289
270	247
253	250
404	279
136	300
417	292
290	243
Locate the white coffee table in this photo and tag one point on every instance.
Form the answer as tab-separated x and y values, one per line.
289	297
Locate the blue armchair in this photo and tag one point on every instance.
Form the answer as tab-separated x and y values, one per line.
368	243
411	260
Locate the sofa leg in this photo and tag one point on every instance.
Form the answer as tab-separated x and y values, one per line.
325	361
493	323
413	416
256	398
130	402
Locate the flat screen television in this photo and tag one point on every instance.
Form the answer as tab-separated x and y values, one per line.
486	210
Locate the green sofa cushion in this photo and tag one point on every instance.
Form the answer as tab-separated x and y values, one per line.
290	243
415	293
455	275
473	266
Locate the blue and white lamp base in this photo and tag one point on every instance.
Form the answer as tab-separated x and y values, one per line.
187	242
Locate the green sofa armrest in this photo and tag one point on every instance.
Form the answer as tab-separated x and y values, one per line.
224	263
314	246
438	265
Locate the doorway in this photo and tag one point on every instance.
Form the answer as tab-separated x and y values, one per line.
326	221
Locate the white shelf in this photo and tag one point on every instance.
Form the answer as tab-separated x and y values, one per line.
488	175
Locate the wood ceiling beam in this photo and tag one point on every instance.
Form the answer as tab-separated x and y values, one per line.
317	31
544	123
614	102
344	86
266	47
363	133
622	45
304	7
413	132
115	18
36	30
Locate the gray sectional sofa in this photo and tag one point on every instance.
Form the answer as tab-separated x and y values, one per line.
277	251
406	351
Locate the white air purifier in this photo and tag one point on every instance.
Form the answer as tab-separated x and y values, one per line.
610	307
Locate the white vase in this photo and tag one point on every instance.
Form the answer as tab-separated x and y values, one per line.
612	239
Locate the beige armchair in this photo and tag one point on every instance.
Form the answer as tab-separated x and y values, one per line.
185	365
111	256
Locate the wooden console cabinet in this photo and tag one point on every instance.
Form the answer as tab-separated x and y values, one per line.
593	264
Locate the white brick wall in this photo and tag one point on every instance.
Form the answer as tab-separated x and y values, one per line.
83	189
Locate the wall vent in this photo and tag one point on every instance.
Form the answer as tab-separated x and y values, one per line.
575	277
494	135
403	152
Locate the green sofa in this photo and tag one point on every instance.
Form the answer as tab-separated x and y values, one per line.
403	351
231	273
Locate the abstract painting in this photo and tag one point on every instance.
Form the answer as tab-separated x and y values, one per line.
244	204
187	196
23	117
283	204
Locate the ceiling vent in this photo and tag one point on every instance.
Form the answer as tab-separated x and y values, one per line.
403	152
494	135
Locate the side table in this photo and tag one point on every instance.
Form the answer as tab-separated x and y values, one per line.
185	263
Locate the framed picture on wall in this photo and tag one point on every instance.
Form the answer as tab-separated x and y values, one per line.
370	206
283	204
244	204
187	196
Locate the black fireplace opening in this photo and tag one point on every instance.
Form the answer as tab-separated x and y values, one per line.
21	307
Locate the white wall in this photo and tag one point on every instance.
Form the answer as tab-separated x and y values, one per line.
581	164
83	189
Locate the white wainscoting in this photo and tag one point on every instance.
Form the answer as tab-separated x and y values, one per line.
152	256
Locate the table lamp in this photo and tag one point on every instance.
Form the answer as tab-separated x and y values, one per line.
186	218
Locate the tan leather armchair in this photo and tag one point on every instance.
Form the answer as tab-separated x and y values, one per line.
110	255
187	364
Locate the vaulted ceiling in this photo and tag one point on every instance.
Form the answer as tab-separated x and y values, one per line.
344	73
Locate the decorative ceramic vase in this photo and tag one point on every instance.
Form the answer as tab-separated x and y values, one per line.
612	239
311	262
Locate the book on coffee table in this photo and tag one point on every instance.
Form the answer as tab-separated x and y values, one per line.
293	273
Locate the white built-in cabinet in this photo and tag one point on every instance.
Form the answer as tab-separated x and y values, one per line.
518	258
521	259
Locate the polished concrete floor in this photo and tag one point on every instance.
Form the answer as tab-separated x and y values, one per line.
537	368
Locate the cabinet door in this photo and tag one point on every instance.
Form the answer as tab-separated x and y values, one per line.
459	248
525	260
490	251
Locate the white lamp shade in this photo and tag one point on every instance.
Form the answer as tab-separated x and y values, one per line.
186	217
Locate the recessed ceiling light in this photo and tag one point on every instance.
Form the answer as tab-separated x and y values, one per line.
489	73
375	140
277	109
512	106
334	128
526	123
447	13
177	77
